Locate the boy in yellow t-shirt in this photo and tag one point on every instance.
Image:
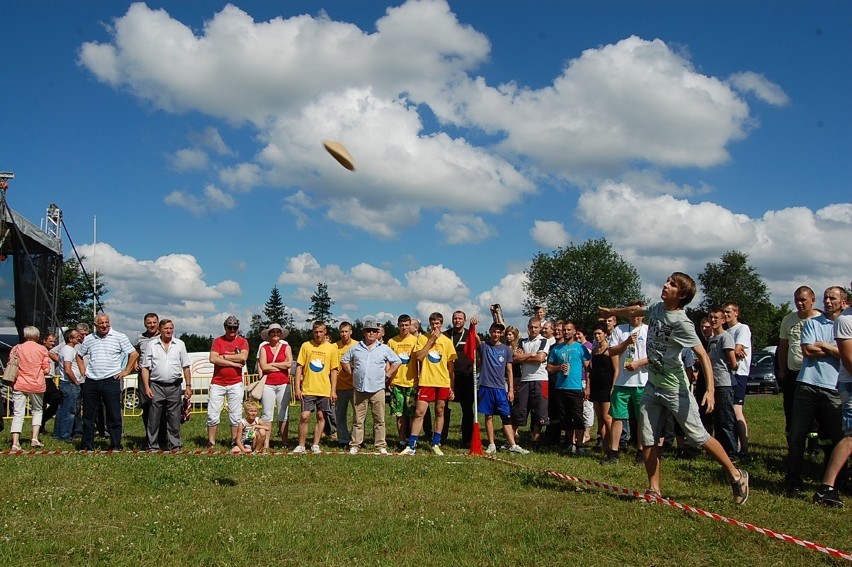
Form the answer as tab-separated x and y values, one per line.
436	355
403	394
315	384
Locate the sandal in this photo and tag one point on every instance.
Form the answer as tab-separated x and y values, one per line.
36	444
16	448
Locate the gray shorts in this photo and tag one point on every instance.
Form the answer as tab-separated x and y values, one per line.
316	403
654	409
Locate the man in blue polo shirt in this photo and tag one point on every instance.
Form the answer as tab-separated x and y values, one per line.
104	351
372	365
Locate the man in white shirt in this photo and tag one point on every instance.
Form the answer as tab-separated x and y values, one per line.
742	350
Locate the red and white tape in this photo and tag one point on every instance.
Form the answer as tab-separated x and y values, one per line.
636	494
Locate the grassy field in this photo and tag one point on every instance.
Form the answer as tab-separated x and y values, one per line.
335	509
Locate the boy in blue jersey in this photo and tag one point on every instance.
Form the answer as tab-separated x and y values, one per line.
492	397
567	360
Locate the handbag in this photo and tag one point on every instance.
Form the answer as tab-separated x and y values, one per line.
11	372
256	390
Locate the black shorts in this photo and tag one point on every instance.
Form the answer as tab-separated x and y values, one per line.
569	404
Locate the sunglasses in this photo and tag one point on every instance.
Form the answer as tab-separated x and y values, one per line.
232	327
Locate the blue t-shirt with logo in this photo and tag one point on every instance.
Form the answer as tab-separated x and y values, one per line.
494	360
575	355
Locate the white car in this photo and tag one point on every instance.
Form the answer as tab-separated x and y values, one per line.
202	373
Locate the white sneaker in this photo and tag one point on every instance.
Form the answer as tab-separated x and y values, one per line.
408	451
299	450
315	449
383	451
518	449
437	450
492	448
353	450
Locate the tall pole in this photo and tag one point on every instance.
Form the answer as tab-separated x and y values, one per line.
95	267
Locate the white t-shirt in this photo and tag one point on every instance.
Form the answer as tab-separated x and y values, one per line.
69	354
534	371
636	378
742	336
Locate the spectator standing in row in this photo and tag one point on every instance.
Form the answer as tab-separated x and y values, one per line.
345	388
816	397
720	348
827	493
315	384
33	366
790	347
69	385
403	394
742	337
228	354
104	351
463	370
275	361
165	377
151	321
371	365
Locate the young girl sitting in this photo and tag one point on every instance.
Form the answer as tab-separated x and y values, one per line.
251	432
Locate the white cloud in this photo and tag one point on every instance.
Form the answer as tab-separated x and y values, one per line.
214	199
510	294
189	159
173	285
437	283
464	229
549	234
243	176
760	86
211	139
632	101
660	234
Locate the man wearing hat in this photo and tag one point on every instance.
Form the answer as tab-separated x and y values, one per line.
228	355
372	365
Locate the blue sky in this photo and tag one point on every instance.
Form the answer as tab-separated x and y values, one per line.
483	132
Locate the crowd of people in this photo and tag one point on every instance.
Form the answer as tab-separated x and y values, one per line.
650	378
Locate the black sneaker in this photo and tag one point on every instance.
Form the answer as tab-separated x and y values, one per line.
828	496
611	457
639	459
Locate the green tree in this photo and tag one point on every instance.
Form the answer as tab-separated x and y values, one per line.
196	343
76	294
275	310
571	282
733	279
320	309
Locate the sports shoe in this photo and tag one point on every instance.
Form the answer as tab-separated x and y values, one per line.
740	488
383	451
492	448
572	450
828	496
315	449
650	496
437	450
582	451
408	451
639	459
353	450
610	457
518	449
299	450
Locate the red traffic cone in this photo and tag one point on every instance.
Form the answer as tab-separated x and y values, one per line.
475	441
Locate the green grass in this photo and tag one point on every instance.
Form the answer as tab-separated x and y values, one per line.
365	510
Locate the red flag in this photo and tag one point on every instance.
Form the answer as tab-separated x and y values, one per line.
471	343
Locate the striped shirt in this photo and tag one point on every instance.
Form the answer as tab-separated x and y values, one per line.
107	354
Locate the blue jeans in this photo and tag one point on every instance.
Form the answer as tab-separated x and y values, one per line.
724	421
67	411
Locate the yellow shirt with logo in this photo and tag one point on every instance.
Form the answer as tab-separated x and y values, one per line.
317	362
433	368
405	348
